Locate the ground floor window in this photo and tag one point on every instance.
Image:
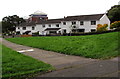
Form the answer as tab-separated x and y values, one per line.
18	32
81	30
78	30
93	30
52	32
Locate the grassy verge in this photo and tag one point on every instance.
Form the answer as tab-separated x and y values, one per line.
18	65
100	46
0	61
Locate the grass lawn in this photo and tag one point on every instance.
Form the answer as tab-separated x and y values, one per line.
0	61
100	46
18	65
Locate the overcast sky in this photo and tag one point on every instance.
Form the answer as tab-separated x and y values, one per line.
55	8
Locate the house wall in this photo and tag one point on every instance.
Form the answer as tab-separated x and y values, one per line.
67	27
87	26
41	29
105	20
28	28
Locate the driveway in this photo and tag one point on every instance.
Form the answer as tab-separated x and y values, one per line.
67	65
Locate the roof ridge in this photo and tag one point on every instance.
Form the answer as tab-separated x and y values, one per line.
86	15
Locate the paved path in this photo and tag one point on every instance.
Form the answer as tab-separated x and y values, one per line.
70	66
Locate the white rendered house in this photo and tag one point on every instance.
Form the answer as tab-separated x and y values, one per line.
69	24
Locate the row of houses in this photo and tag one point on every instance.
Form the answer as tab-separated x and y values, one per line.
70	24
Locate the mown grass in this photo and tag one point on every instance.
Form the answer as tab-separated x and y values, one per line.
16	65
0	61
100	46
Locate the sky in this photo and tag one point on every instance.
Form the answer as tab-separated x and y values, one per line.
55	8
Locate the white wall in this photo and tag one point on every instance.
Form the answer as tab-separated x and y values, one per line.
41	29
87	26
105	20
28	28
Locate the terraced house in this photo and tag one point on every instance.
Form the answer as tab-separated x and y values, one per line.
39	22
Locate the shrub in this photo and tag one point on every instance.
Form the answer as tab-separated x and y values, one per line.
101	28
115	24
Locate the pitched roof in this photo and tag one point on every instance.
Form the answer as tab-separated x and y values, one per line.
27	24
68	18
73	18
49	21
84	17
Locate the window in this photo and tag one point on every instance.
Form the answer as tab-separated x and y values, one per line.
93	30
18	32
73	30
24	28
73	23
64	23
57	25
93	22
81	23
33	28
53	32
43	25
49	25
18	27
81	30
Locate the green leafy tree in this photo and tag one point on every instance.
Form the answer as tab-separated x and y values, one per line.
114	13
10	22
0	27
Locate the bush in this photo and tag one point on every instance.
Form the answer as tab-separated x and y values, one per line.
115	25
101	28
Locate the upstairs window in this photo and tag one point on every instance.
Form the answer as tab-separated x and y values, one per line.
24	28
43	26
64	23
18	27
57	25
81	23
93	22
73	23
33	28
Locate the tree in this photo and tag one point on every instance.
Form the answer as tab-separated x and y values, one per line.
0	27
101	27
10	22
114	13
